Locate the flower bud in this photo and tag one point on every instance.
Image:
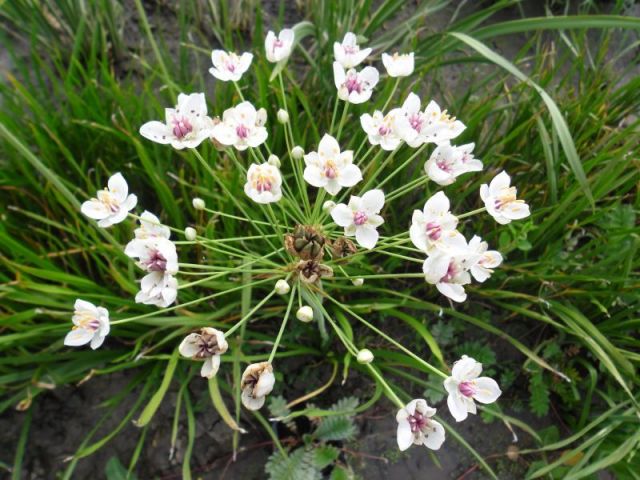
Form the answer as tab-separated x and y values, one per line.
358	282
305	314
198	203
274	160
190	233
282	287
297	152
365	356
283	116
328	206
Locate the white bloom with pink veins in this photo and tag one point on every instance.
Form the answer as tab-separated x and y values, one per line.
435	226
227	66
448	269
353	86
398	65
112	204
416	426
429	126
158	288
465	385
380	129
348	53
242	126
448	162
90	325
279	47
361	217
156	254
185	126
329	168
501	202
487	259
264	183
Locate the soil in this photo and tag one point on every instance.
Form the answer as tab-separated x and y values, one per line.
63	417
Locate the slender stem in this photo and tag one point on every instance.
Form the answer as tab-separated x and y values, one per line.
472	212
393	91
284	324
229	332
402	165
235	84
333	117
342	120
394	398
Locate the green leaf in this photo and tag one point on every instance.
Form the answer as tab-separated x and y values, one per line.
151	408
114	470
325	455
299	465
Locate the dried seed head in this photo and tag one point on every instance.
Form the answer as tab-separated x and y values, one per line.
310	271
343	247
305	242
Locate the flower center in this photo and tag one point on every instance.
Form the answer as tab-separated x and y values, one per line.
360	218
383	130
330	170
277	44
88	322
452	271
467	389
353	84
416	122
107	199
418	422
444	165
350	49
181	127
262	184
434	230
507	195
157	262
242	131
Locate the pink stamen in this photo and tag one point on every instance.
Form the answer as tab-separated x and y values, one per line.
263	185
434	231
277	44
444	165
417	422
452	271
330	172
416	121
181	127
360	218
157	262
242	131
383	130
353	84
467	389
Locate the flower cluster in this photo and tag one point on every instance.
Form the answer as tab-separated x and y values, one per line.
317	234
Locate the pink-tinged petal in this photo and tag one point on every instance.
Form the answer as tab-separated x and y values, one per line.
117	217
487	390
452	290
373	201
350	175
286	35
342	215
404	436
457	406
350	39
434	438
466	369
78	337
367	236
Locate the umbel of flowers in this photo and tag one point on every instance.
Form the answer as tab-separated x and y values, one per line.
327	232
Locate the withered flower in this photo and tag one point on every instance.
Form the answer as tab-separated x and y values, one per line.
311	271
257	383
207	345
343	247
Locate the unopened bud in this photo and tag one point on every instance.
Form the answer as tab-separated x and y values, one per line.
297	152
283	116
328	206
358	282
365	356
198	203
274	160
190	233
305	314
282	287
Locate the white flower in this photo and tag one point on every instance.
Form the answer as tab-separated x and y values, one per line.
150	227
158	288
398	65
257	382
380	129
417	427
500	200
282	287
486	261
90	325
190	233
429	126
348	53
242	127
354	87
155	254
186	126
447	162
278	48
365	356
297	152
360	217
449	270
283	116
465	385
329	168
207	346
305	314
227	66
112	204
264	183
434	226
198	203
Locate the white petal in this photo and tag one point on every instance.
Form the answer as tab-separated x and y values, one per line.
210	366
78	337
157	132
95	209
342	215
350	175
435	437
373	201
466	369
97	341
404	435
265	384
367	236
328	147
188	347
452	290
487	390
457	406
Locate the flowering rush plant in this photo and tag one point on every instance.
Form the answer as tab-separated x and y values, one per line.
317	219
